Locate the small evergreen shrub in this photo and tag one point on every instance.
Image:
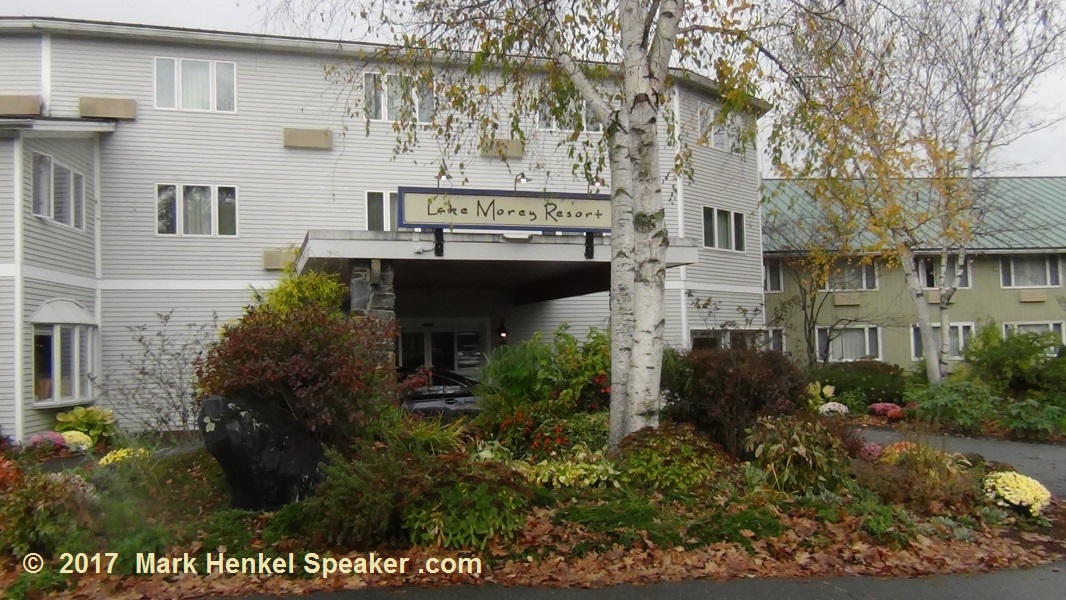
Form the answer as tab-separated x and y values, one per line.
1015	365
799	455
722	392
463	504
872	380
673	458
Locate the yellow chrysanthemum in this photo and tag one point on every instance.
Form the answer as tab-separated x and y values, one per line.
122	454
1014	490
76	440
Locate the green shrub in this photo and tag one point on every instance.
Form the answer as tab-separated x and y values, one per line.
44	512
1017	364
799	455
673	458
463	504
1029	417
424	436
357	505
624	518
924	479
722	392
965	406
96	422
333	374
581	468
882	522
736	527
310	288
873	380
35	585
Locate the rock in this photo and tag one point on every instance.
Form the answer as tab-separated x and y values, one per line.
267	459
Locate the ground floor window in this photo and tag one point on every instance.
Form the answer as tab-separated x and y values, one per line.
63	358
725	338
775	339
959	335
856	342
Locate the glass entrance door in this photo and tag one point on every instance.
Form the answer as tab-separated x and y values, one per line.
455	345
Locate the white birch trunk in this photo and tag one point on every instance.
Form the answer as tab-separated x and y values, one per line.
930	343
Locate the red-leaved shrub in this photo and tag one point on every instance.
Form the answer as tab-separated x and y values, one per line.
332	373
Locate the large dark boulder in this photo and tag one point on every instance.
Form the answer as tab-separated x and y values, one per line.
268	460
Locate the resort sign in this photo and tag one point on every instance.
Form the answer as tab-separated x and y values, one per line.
451	208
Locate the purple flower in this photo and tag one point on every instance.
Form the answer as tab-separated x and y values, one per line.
870	452
51	437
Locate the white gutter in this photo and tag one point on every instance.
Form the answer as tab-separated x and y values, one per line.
19	318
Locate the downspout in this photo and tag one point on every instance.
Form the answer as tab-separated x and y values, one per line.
96	350
19	318
679	187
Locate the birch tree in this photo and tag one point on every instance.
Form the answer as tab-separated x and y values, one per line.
603	67
907	107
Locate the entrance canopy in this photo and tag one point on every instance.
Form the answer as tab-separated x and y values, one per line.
529	267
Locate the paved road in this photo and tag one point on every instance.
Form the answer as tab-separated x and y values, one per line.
1045	463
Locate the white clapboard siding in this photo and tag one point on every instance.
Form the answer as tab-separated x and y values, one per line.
7	201
48	243
7	356
21	71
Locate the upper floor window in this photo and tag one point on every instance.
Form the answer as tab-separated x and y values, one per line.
928	268
718	135
723	229
58	191
381	211
192	84
773	278
196	209
568	120
959	335
851	276
1034	270
849	343
384	97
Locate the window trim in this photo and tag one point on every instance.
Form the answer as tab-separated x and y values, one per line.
732	229
1051	326
384	100
780	275
826	287
390	199
770	341
920	270
73	172
179	216
57	400
706	114
1047	272
596	127
866	328
936	326
213	85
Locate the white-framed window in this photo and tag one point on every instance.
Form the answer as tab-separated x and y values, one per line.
775	339
854	342
195	84
1039	327
959	335
63	362
381	211
384	97
723	229
58	191
928	269
725	338
568	120
1029	270
724	136
852	276
196	209
773	275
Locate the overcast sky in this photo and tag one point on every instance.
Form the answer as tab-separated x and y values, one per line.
1042	153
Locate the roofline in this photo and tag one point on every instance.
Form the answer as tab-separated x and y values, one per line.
929	252
263	41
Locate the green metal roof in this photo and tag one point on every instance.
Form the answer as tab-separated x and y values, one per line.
1017	213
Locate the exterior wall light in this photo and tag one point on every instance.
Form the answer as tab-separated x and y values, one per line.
501	332
520	179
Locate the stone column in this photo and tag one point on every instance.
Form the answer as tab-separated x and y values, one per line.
371	289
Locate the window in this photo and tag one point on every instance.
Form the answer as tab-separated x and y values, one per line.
852	276
579	109
384	97
773	278
381	214
58	191
725	338
1035	327
720	136
723	229
63	359
1029	271
200	85
928	269
775	339
959	335
849	343
196	210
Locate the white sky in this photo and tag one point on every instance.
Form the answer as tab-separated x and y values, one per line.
1042	153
